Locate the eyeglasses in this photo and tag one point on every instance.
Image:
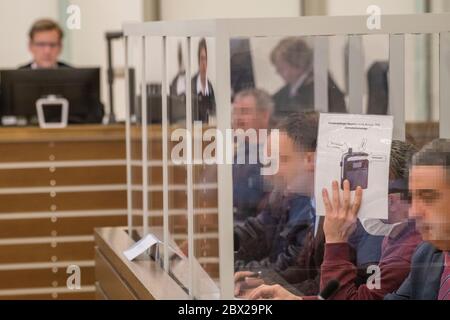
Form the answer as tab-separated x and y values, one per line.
52	45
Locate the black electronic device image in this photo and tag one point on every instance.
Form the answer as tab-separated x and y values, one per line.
355	169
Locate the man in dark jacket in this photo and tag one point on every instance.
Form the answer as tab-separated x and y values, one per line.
429	278
293	60
45	45
272	240
203	99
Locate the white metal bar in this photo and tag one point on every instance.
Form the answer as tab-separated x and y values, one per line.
356	75
61	164
298	26
321	74
128	140
178	187
61	214
49	290
444	81
145	206
165	150
45	265
190	190
64	189
36	240
224	171
397	84
180	212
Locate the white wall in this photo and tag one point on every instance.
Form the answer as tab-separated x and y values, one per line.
359	7
16	18
88	45
198	9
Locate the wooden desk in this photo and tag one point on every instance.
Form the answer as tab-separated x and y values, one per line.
56	186
119	279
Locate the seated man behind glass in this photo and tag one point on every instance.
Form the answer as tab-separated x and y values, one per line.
273	238
252	110
45	45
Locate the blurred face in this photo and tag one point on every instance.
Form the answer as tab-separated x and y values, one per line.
246	115
203	63
398	208
296	168
46	47
431	204
290	74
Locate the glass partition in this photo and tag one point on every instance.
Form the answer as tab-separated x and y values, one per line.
231	158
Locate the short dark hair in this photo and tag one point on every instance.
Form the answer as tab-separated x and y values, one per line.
302	128
401	157
45	25
435	153
294	51
202	45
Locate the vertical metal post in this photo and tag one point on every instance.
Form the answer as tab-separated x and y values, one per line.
165	151
144	140
128	141
397	84
444	81
356	75
190	187
321	73
224	170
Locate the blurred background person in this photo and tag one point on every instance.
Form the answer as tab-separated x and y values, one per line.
252	110
203	99
293	60
45	45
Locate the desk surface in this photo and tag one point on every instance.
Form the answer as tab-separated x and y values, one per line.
145	277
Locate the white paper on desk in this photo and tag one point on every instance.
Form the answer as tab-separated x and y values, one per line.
141	246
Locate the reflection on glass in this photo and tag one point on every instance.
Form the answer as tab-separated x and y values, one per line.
277	237
422	88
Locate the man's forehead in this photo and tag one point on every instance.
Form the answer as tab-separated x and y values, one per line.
245	101
428	177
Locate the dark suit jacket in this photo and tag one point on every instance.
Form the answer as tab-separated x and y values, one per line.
202	106
60	65
304	99
424	280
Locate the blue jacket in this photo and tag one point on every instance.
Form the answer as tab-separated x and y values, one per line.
424	280
274	238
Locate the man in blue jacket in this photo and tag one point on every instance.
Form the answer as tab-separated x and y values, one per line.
273	238
429	278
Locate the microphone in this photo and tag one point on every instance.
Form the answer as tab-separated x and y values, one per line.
330	289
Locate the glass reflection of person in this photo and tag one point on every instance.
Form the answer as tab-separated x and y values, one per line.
252	110
293	60
45	45
178	84
203	100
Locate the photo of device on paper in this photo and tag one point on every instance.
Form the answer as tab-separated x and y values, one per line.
355	169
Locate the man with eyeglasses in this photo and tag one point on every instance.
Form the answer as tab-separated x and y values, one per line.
45	45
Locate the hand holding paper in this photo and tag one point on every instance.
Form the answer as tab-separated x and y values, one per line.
341	215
